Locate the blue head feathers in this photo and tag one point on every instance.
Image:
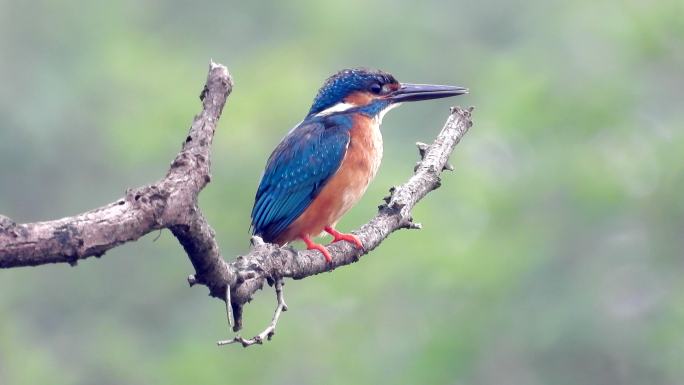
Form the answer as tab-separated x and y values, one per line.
346	82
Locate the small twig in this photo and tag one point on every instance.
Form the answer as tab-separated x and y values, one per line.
229	308
269	332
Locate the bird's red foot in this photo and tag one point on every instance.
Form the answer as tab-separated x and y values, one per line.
311	245
337	236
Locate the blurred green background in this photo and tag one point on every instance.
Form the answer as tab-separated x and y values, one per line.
552	255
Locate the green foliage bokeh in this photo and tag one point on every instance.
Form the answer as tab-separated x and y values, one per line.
551	255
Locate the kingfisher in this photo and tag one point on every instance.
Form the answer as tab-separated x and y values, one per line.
323	166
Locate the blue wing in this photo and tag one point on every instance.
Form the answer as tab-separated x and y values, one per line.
296	172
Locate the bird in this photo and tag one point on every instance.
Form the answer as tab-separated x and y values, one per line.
322	167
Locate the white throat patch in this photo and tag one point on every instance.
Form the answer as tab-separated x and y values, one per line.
382	113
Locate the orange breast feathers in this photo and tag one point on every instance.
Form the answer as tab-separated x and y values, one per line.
344	189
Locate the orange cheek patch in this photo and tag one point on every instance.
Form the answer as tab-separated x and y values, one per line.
393	86
358	98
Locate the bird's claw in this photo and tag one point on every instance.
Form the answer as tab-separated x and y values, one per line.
351	238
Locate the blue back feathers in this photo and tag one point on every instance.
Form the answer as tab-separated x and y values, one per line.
298	169
345	82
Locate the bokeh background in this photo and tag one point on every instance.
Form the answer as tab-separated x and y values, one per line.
552	255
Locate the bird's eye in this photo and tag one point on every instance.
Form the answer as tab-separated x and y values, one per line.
376	88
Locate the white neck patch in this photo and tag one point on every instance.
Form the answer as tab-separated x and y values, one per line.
339	107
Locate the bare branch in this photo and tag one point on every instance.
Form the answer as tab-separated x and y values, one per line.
172	203
268	262
169	203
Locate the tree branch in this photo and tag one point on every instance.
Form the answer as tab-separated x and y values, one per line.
268	262
172	203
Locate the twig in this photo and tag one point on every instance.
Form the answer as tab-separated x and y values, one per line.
269	332
229	309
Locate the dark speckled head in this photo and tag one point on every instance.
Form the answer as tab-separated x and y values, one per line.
347	82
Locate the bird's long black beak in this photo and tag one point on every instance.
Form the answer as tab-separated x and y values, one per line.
414	92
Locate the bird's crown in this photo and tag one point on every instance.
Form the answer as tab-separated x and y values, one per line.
349	81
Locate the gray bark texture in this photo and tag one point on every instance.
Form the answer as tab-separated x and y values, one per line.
171	203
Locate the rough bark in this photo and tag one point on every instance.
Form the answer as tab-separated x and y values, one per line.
172	203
